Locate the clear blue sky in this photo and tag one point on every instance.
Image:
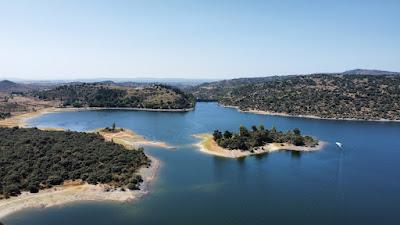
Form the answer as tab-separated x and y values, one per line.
195	39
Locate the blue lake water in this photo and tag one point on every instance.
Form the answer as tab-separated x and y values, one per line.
357	185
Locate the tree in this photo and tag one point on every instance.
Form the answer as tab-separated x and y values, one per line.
227	134
273	129
298	141
217	135
296	131
254	128
113	127
33	188
243	132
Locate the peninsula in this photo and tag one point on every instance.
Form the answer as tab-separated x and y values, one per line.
47	168
129	138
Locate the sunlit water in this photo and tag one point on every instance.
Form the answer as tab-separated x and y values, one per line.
359	184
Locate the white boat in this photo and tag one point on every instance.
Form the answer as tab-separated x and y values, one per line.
339	144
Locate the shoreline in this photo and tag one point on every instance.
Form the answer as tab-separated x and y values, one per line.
20	120
73	192
209	146
261	112
125	108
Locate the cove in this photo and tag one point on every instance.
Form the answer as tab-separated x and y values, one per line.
356	185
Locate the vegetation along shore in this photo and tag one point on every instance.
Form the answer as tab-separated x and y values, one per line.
46	168
340	96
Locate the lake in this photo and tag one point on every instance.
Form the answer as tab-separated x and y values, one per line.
359	184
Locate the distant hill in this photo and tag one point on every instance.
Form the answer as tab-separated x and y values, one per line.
341	96
108	94
369	72
212	91
7	86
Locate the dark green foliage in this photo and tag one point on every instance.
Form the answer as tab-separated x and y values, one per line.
243	132
4	115
103	95
217	135
247	140
32	159
337	96
227	134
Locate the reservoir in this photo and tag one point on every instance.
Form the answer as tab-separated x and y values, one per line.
356	184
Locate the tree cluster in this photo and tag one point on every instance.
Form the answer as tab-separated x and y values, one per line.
259	136
32	159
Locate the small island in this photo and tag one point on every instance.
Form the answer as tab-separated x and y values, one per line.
258	140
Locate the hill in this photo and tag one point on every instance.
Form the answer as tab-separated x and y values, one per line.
7	87
369	72
335	96
212	91
108	94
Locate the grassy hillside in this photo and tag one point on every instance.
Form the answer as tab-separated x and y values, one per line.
32	159
353	96
111	95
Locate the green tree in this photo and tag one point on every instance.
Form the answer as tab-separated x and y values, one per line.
227	134
296	131
113	127
273	130
298	141
243	132
217	135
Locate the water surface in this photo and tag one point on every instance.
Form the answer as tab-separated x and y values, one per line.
359	185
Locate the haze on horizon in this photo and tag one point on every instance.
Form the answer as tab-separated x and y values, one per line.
195	39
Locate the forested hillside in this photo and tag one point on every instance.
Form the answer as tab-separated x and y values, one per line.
110	95
32	159
364	97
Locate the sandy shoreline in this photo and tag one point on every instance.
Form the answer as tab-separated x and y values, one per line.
209	146
20	120
255	111
131	140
